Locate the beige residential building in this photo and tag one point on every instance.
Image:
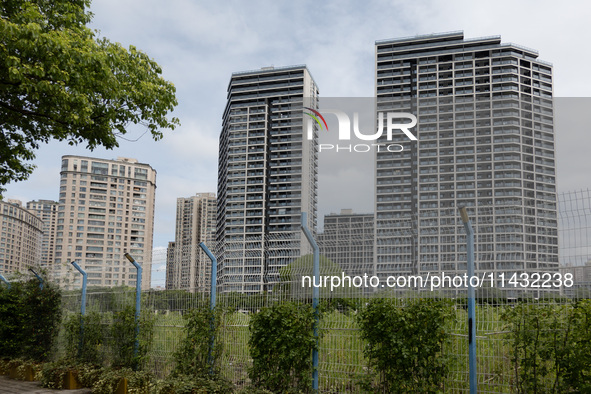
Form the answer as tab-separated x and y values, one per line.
106	209
188	267
20	238
46	210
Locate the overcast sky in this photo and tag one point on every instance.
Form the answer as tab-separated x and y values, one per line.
199	44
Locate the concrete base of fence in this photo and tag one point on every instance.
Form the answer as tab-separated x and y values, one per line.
122	387
71	381
29	373
12	373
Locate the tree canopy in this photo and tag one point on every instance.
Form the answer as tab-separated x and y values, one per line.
60	80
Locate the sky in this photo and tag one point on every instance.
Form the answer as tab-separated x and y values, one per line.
199	44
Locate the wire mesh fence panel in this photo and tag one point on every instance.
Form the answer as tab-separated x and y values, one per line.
521	292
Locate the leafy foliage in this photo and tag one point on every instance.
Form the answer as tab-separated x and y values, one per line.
11	322
551	347
281	343
30	320
91	331
52	377
59	80
404	344
577	364
123	332
183	384
53	373
199	354
138	382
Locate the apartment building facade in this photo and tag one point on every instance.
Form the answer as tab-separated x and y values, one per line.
188	267
106	209
485	141
348	240
46	210
267	176
20	238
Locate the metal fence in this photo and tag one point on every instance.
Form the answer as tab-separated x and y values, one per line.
351	249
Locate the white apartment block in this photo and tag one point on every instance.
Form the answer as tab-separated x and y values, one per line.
267	176
20	238
106	209
46	210
188	267
485	140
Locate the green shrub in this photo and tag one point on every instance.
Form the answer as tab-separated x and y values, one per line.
88	374
199	353
535	330
281	343
183	384
11	322
138	382
53	373
577	363
551	347
404	344
93	337
123	332
30	319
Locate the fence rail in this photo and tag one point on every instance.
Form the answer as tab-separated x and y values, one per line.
342	363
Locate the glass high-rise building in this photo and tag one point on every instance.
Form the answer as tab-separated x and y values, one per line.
267	176
485	140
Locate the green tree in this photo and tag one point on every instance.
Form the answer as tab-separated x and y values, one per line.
59	80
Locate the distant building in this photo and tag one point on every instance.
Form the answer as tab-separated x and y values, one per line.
47	211
348	239
187	266
267	176
20	238
581	276
170	267
106	209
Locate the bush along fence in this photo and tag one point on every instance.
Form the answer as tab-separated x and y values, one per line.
280	341
30	318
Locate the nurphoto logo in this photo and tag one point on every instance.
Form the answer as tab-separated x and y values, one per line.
391	122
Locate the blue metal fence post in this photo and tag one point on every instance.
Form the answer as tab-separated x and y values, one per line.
315	295
471	300
38	277
3	279
214	274
138	295
212	302
82	304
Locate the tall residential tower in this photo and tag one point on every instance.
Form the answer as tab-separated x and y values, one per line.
46	210
267	175
485	140
106	209
188	267
20	237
